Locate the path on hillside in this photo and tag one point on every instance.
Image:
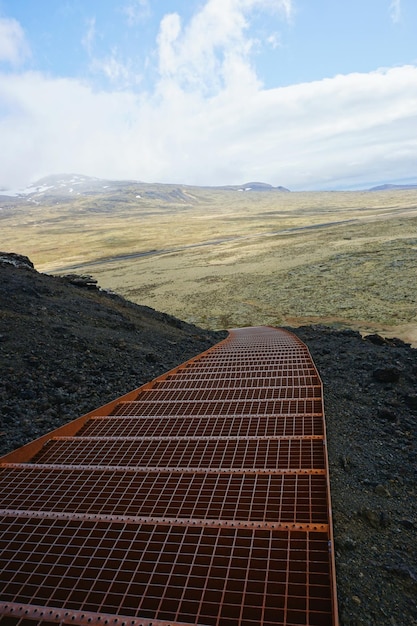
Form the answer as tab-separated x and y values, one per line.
202	497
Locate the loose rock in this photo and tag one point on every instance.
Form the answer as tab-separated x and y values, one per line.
387	374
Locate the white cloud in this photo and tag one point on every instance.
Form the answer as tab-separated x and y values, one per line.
395	11
274	41
136	10
90	35
119	72
213	50
355	127
14	48
209	120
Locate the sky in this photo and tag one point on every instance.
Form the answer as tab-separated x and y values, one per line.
308	94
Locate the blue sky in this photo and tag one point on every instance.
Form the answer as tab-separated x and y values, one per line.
309	94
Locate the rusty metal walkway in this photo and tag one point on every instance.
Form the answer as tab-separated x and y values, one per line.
200	498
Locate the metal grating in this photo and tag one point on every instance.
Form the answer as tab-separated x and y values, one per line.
282	498
240	394
236	453
212	426
218	407
201	499
182	574
295	385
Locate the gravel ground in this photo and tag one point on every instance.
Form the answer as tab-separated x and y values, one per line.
67	347
371	417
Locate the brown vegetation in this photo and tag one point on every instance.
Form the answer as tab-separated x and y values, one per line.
223	258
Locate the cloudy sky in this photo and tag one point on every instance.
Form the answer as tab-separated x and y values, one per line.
309	94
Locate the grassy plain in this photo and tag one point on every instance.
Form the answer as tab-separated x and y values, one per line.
223	258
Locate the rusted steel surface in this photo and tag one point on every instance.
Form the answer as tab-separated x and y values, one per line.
201	498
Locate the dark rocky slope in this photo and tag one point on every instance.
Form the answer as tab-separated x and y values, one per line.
67	347
371	417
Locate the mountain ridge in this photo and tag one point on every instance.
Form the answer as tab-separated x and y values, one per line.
389	186
67	184
78	184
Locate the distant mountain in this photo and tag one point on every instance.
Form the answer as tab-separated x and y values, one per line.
262	187
73	184
64	186
389	186
254	186
68	187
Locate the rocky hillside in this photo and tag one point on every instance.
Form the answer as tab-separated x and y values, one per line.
371	417
67	347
